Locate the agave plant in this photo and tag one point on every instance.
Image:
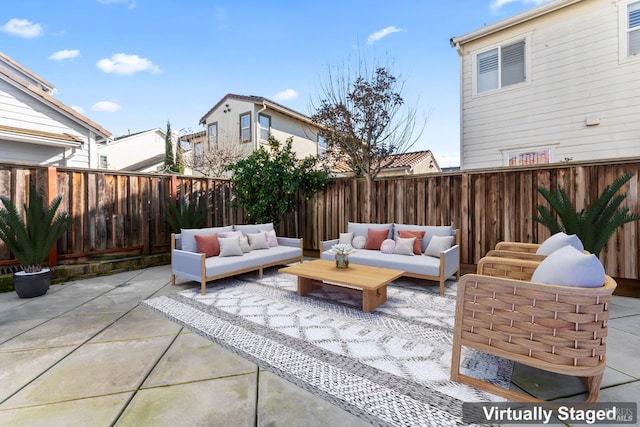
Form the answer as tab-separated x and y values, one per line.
189	214
595	225
30	240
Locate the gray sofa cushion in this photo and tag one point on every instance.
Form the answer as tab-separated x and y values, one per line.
419	264
215	265
189	240
253	228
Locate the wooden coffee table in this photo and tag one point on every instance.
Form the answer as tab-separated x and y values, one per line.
371	281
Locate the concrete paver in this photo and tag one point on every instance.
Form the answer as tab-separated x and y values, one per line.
86	354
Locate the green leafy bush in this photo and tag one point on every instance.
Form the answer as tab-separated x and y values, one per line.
30	240
191	213
266	182
595	225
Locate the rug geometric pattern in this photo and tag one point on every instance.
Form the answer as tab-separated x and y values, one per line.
390	366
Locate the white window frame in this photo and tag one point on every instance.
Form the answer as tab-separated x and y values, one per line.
262	129
248	139
526	38
103	161
198	154
212	139
623	35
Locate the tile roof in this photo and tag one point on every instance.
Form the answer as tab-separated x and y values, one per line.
397	161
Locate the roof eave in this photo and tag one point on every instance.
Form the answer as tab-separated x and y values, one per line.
512	21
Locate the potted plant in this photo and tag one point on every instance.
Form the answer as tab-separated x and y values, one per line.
30	240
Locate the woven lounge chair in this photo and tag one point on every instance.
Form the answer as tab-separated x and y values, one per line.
560	329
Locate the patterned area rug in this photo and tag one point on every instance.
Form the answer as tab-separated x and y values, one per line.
389	367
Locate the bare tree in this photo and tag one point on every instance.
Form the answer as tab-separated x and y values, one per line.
364	120
213	161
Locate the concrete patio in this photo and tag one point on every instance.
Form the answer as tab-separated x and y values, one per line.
87	355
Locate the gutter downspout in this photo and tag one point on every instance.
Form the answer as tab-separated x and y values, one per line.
461	86
264	107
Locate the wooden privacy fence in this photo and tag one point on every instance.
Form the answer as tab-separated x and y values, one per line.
118	212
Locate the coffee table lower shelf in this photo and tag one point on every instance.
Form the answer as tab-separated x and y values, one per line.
370	281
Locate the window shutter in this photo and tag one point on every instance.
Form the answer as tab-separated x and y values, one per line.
488	70
634	28
513	64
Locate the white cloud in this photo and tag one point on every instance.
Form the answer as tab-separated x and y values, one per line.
132	3
105	106
121	63
78	109
383	33
497	4
285	95
61	55
22	28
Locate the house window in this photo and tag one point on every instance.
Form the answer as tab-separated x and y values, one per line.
633	28
265	126
537	157
500	67
322	145
198	154
213	134
245	127
104	163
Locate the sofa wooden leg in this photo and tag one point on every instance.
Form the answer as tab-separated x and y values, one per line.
173	279
442	285
203	287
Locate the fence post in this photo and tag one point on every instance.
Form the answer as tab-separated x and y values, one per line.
52	192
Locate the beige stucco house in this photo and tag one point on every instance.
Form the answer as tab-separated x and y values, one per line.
556	83
247	121
36	128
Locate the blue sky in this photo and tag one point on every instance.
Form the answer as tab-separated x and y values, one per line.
131	65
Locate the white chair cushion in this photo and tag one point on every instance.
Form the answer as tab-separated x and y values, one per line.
570	267
230	246
557	241
345	238
404	246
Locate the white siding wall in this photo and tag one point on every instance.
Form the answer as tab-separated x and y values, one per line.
134	149
575	74
20	110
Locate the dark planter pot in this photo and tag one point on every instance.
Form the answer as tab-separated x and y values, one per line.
29	285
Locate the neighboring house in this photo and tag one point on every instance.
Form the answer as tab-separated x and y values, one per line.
248	121
556	83
137	152
414	163
37	128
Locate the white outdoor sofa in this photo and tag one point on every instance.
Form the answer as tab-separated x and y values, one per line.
432	268
188	263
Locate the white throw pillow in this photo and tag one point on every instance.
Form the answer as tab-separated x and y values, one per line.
230	246
388	246
345	238
244	244
272	239
438	244
358	242
404	246
258	240
558	241
570	267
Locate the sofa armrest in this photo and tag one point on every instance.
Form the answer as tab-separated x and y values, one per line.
451	260
187	264
290	241
326	245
